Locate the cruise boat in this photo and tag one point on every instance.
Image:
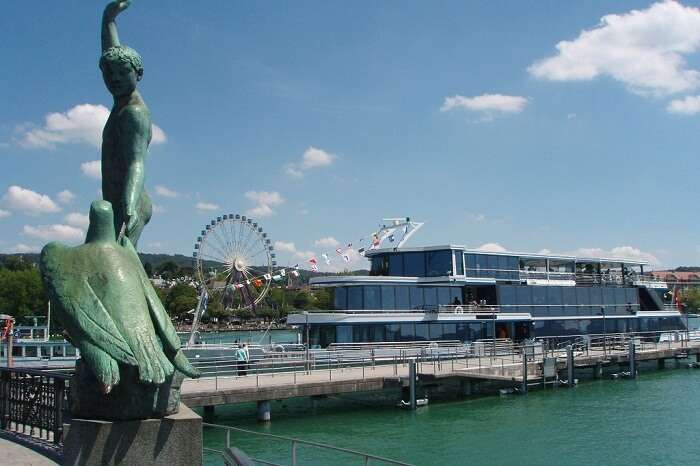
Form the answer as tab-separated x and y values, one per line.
448	292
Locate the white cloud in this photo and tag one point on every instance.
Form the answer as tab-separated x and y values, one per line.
265	201
491	247
690	105
488	105
65	197
290	248
263	210
79	124
92	169
618	252
77	219
206	206
643	49
312	157
4	213
158	209
155	245
21	248
28	201
54	232
283	246
545	252
477	218
294	172
328	242
166	192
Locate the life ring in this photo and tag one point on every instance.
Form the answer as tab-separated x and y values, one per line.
459	310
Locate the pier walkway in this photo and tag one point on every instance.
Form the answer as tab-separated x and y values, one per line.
380	374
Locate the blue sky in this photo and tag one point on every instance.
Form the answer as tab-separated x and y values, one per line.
320	118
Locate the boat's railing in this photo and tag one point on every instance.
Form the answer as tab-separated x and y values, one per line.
395	345
294	445
604	278
32	402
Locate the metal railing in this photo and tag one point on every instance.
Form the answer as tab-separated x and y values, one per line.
294	446
32	402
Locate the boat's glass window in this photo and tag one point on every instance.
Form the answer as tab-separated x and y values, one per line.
328	335
513	273
45	351
344	333
393	332
524	298
396	265
503	272
439	263
30	351
388	300
380	265
491	266
372	297
402	300
414	264
376	333
539	300
583	299
340	297
355	297
58	350
360	333
533	267
417	301
456	293
422	332
506	298
408	332
596	299
436	331
430	296
470	261
449	331
459	263
443	295
569	299
70	350
554	300
314	335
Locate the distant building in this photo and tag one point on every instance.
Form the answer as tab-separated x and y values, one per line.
680	279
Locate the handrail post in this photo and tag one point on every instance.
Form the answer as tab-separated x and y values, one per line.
294	453
59	387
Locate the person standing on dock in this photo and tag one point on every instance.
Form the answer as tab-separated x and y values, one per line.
246	358
240	360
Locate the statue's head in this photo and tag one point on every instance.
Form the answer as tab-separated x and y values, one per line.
122	68
101	222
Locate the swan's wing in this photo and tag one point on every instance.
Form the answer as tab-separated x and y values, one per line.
161	321
78	307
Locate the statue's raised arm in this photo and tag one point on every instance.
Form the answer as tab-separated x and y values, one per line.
127	132
110	38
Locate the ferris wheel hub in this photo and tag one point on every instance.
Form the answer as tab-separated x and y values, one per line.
239	264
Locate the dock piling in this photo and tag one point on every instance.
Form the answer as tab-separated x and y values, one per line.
412	382
264	411
523	387
570	365
633	363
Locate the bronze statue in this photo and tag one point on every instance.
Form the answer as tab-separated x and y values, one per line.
127	133
131	364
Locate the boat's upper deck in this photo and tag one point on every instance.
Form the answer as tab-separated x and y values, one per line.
451	263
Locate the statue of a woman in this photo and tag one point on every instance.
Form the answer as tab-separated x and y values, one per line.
127	132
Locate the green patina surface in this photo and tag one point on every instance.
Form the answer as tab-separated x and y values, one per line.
132	365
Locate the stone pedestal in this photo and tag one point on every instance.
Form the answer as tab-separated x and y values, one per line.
171	441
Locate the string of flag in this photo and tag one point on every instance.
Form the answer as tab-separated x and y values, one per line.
374	242
259	281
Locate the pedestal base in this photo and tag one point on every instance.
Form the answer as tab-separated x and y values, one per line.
171	441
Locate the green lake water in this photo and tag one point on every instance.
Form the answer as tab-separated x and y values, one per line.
653	420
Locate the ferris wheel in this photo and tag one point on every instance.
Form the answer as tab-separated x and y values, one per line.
231	255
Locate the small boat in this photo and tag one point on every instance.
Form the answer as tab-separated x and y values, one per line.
407	405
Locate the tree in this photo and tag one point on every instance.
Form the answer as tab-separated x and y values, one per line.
302	300
180	300
148	268
168	270
22	292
